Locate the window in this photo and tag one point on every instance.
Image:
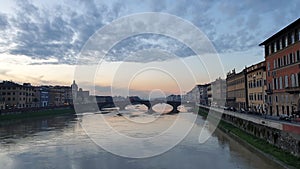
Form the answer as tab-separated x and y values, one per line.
297	80
293	38
286	41
298	55
291	58
286	81
293	80
284	60
280	82
268	65
280	44
275	47
275	83
270	50
299	34
269	86
260	82
274	64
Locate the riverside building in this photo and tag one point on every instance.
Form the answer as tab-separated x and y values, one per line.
256	84
282	57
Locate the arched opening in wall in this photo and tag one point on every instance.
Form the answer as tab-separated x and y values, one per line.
275	138
258	132
263	133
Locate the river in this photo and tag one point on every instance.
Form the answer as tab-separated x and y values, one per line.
63	142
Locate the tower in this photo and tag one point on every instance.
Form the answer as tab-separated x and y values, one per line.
74	88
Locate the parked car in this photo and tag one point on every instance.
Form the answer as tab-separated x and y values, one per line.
233	109
226	108
285	117
296	114
242	111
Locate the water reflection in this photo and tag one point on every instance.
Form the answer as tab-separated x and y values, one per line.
60	142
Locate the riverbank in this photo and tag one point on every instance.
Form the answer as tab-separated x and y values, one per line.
36	114
272	152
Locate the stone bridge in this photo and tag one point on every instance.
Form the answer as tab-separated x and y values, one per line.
134	100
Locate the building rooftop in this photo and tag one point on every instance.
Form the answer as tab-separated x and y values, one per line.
282	31
202	85
233	73
260	65
10	84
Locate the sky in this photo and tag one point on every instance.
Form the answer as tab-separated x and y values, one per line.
45	42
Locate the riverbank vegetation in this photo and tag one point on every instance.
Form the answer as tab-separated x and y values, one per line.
257	143
35	114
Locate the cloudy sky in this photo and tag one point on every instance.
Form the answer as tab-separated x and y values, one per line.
41	41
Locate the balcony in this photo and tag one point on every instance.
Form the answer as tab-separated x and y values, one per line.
231	99
269	91
292	90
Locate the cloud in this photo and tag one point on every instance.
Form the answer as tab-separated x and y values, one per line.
147	48
250	22
3	71
58	32
5	34
3	22
61	30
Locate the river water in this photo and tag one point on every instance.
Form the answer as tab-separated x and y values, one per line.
62	142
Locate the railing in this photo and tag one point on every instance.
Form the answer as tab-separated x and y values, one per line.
269	91
292	90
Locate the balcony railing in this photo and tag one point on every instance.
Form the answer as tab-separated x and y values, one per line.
231	99
269	91
292	90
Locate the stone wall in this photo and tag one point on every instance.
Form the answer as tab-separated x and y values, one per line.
286	140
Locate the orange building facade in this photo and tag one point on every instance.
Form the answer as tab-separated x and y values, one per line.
282	56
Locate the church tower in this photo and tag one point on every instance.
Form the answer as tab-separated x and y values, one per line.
74	90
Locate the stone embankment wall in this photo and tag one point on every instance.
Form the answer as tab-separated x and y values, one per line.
288	140
282	134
